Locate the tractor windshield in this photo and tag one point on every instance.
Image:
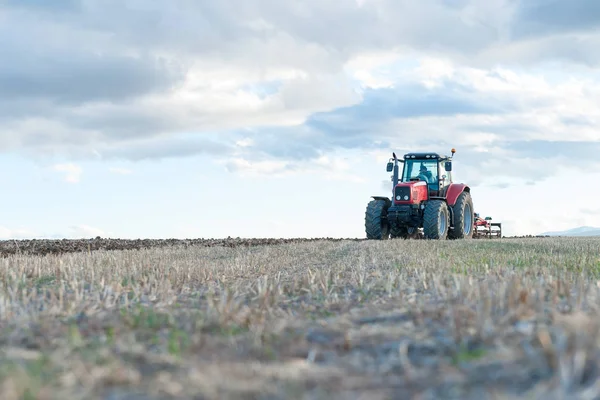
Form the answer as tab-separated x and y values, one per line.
425	170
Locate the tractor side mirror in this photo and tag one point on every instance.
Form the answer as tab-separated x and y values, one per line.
488	218
448	166
390	167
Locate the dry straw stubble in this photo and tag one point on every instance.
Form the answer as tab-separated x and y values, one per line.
318	319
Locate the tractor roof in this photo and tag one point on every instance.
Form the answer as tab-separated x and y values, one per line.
422	156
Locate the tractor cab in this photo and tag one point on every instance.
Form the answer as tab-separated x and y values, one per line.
433	169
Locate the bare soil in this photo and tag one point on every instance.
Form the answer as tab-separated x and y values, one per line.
62	246
318	319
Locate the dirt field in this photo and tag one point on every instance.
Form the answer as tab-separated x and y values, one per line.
510	318
62	246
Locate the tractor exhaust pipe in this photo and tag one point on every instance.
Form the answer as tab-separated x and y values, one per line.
396	171
393	166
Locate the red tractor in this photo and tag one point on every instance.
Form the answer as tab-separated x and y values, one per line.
424	197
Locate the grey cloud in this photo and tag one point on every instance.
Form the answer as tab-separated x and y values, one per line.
355	126
367	124
21	108
123	123
580	120
305	143
342	26
412	100
549	17
243	30
567	48
362	125
80	76
55	55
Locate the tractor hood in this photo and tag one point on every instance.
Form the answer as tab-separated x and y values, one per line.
410	192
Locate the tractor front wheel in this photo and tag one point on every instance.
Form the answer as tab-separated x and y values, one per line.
436	220
376	223
463	217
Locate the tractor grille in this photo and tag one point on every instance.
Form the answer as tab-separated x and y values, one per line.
402	191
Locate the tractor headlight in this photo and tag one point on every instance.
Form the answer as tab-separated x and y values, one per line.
398	197
405	197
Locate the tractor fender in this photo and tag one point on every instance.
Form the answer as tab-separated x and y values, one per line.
454	190
387	200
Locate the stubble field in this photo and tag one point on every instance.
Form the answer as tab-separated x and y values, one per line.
510	318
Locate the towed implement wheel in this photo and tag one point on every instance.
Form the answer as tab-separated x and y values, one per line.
463	217
436	220
376	224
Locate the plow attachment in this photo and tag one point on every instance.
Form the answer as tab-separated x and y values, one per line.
485	229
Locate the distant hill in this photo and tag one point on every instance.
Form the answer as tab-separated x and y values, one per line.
581	231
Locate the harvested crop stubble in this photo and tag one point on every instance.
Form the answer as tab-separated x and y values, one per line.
335	320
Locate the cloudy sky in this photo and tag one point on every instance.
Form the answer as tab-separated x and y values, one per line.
265	118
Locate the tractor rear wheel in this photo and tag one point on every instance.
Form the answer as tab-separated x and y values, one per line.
376	223
463	217
435	220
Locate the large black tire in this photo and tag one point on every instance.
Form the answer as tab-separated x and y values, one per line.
463	217
376	223
436	220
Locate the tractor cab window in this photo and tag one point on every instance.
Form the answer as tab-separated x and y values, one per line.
425	170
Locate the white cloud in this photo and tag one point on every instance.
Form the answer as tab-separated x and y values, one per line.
431	71
326	167
71	171
246	142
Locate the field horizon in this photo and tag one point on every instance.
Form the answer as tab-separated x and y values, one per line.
41	246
